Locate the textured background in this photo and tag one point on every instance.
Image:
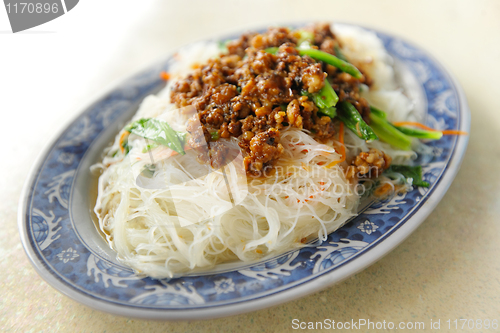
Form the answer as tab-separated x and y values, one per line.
448	269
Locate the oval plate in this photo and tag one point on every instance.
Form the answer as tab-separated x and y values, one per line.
65	248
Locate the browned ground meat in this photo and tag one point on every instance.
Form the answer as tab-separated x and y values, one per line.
251	94
368	164
264	147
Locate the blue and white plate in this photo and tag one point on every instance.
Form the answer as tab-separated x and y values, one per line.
60	238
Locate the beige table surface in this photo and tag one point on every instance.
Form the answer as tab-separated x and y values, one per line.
449	268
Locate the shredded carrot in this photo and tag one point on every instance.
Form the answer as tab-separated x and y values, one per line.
342	147
165	76
454	132
120	142
422	126
413	123
258	251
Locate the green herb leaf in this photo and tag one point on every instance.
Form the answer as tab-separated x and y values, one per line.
222	45
325	99
326	96
412	132
331	60
420	133
160	132
348	114
306	38
378	112
150	146
388	133
125	146
330	112
272	50
214	135
411	173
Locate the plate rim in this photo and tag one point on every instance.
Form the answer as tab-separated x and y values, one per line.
302	289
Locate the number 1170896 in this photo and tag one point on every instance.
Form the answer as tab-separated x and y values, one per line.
29	7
